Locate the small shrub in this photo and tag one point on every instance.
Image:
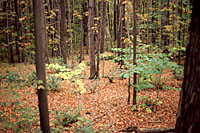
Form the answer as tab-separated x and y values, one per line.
67	117
92	86
149	105
178	72
53	83
57	60
107	56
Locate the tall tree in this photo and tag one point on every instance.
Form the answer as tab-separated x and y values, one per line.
103	24
63	30
40	43
188	118
91	37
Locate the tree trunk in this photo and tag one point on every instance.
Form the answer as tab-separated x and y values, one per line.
40	42
85	26
134	51
82	32
91	38
9	34
129	39
103	24
17	30
70	28
63	30
188	118
179	33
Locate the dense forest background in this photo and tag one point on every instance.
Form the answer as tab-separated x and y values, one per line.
160	25
105	65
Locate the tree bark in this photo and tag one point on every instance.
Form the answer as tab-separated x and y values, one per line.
91	38
63	30
40	42
188	118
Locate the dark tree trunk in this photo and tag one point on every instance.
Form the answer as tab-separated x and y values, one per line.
21	5
115	21
188	118
82	32
63	30
17	30
40	42
91	38
97	36
85	26
103	24
134	51
9	33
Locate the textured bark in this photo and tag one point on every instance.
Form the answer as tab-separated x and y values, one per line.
40	42
188	118
63	30
91	38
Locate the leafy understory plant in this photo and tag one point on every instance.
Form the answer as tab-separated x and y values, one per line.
53	83
72	76
148	105
107	56
111	74
92	86
178	72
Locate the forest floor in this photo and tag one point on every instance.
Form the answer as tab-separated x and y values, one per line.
107	105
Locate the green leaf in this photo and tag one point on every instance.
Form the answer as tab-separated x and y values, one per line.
148	110
13	115
3	104
134	107
159	102
16	103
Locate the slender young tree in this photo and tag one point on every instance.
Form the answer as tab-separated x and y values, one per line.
148	26
82	32
128	33
134	51
188	118
40	42
17	29
103	24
